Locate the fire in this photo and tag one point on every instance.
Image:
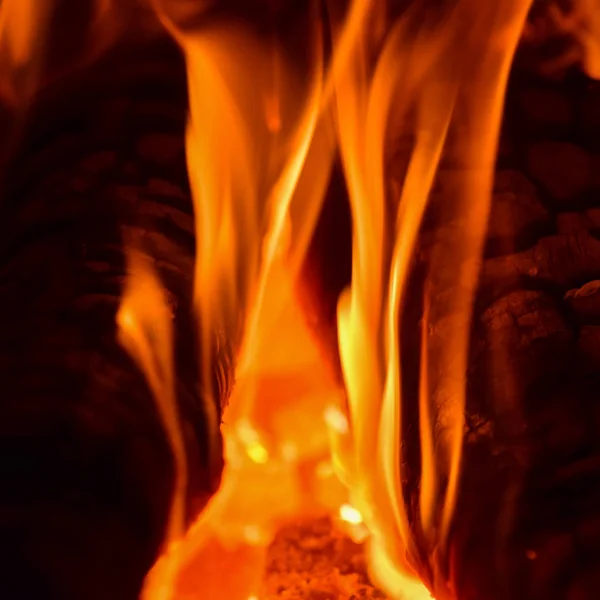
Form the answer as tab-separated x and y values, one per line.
23	27
441	71
144	323
261	139
263	131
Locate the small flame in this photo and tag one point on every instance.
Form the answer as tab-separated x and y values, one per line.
588	32
18	28
23	31
145	330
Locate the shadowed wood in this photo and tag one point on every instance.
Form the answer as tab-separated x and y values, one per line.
85	466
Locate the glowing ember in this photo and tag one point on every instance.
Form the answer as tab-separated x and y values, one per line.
350	514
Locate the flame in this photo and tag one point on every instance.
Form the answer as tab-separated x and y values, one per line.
259	152
451	71
144	321
145	331
262	134
260	145
23	29
261	138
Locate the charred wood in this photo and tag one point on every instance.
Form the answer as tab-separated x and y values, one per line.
526	523
86	469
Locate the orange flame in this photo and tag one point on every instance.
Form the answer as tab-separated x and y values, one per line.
451	71
262	134
23	29
259	153
260	145
144	321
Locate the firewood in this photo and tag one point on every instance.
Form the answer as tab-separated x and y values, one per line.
585	302
561	261
517	216
526	515
87	472
526	524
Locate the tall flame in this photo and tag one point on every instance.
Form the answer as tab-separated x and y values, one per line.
442	76
259	153
259	148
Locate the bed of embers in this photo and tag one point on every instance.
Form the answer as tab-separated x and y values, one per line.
99	157
313	559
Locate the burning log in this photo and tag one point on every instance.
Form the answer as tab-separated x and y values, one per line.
86	470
